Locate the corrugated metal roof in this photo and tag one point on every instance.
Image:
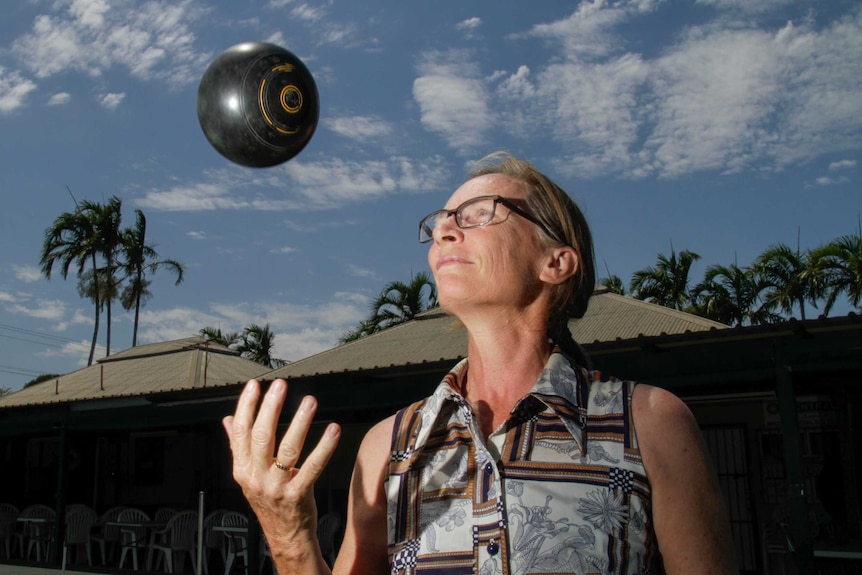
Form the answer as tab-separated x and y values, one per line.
192	363
611	316
435	336
184	364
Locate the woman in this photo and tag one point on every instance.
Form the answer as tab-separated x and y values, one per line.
522	461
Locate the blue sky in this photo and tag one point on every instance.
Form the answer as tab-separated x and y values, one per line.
717	126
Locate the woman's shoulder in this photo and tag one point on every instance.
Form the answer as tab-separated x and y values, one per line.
380	434
667	430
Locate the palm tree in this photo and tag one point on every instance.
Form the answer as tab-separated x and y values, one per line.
667	283
730	295
214	334
71	239
788	278
839	263
614	284
105	219
256	343
365	327
397	303
400	302
140	259
96	287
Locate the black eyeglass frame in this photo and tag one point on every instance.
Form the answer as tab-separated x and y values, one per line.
497	200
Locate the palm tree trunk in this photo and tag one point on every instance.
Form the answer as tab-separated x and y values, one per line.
96	300
137	315
108	331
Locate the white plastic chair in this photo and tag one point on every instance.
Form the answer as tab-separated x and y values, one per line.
237	541
38	532
132	537
213	540
8	524
163	515
79	524
108	535
177	536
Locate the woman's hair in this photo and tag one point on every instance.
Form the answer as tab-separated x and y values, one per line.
552	206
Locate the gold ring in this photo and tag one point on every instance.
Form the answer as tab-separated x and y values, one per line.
281	465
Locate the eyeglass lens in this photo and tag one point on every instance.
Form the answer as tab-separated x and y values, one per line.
472	213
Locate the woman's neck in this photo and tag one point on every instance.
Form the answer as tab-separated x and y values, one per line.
505	363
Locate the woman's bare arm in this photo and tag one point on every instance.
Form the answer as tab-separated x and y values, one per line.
364	549
689	512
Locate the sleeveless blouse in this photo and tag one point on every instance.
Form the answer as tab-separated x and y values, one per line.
559	487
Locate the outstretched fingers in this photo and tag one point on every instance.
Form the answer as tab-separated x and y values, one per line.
263	433
252	434
290	448
239	425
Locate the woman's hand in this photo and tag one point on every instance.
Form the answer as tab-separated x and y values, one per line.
280	489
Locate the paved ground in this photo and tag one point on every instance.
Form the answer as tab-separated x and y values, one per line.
22	570
6	569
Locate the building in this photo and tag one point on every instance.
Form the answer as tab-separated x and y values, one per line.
776	405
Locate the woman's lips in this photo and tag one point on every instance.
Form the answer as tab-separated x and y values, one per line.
447	260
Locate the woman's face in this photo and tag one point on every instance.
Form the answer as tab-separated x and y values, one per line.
497	264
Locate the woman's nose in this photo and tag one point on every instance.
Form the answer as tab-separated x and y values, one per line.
447	230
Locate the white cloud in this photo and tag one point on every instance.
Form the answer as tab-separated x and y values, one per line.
59	99
78	350
27	274
81	318
283	250
588	32
13	90
746	6
828	181
713	94
725	96
361	272
842	165
111	101
308	13
359	128
453	100
51	310
300	330
314	185
153	40
90	13
6	297
469	26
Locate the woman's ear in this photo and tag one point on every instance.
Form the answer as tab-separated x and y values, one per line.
560	264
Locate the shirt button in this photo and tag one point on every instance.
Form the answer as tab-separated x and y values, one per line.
489	468
493	548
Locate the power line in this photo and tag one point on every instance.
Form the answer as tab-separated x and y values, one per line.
18	370
36	333
38	338
52	340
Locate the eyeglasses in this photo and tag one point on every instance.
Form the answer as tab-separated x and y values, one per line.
474	213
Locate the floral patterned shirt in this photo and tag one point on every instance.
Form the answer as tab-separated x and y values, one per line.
559	487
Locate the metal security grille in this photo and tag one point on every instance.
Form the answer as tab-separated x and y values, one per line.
728	448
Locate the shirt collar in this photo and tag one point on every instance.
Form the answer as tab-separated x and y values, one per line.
562	387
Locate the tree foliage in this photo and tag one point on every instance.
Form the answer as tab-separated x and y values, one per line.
91	242
254	342
839	264
779	283
139	260
397	302
667	283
